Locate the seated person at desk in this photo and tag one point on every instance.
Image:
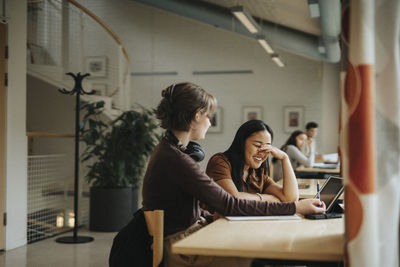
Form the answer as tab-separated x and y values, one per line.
310	144
243	169
175	183
293	147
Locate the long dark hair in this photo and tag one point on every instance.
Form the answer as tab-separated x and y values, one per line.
291	141
235	152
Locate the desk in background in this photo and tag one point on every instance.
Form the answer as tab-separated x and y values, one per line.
307	186
316	173
299	240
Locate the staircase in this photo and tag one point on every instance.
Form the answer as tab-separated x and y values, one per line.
64	36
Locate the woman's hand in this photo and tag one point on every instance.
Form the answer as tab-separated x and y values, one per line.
217	216
275	152
310	206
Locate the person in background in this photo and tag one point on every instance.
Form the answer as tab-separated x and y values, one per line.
243	169
293	147
311	132
174	182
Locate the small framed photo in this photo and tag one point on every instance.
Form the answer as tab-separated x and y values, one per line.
216	121
96	66
252	113
100	88
293	118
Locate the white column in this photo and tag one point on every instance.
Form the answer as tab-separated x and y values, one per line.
16	148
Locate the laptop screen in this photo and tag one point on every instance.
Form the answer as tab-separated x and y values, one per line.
331	191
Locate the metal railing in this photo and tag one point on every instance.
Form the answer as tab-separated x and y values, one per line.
50	197
64	36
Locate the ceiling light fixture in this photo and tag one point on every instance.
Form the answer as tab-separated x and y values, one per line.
264	44
277	60
245	18
313	7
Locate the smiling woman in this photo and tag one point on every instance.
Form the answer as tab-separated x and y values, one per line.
243	169
175	183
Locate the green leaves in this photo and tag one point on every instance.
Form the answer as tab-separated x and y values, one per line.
119	152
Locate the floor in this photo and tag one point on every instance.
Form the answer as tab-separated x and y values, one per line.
48	253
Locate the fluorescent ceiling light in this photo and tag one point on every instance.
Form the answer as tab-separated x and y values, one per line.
313	7
277	60
264	44
246	19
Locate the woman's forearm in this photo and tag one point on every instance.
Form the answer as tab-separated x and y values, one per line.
290	189
259	197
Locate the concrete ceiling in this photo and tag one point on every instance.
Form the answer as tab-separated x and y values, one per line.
286	24
293	14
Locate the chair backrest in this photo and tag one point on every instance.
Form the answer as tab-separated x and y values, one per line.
271	170
155	226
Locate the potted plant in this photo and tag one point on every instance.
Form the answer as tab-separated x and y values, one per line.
116	157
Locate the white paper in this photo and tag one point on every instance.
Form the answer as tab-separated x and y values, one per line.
325	165
263	218
333	157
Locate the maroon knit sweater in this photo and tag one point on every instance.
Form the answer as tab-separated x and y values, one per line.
175	183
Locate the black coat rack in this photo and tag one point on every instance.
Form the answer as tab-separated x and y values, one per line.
78	90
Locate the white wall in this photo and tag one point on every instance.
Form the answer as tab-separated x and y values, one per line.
16	154
160	41
329	128
50	111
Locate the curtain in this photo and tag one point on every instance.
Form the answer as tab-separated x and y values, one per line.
370	135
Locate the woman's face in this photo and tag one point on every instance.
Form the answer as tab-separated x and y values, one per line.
254	154
200	125
300	140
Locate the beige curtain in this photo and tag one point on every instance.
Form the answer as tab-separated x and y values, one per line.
370	135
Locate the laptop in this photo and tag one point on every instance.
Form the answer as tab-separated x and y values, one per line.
330	193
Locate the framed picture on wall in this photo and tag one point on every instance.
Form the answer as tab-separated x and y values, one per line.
293	118
96	66
216	121
252	113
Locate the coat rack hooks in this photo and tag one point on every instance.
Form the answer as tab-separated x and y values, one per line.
78	90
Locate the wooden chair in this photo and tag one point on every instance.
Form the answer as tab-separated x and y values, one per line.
271	170
155	226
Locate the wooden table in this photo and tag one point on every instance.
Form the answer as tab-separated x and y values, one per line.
311	191
315	172
300	240
324	170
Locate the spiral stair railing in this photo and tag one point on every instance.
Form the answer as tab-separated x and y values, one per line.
64	36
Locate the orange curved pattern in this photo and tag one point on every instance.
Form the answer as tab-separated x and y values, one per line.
353	87
354	213
360	125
